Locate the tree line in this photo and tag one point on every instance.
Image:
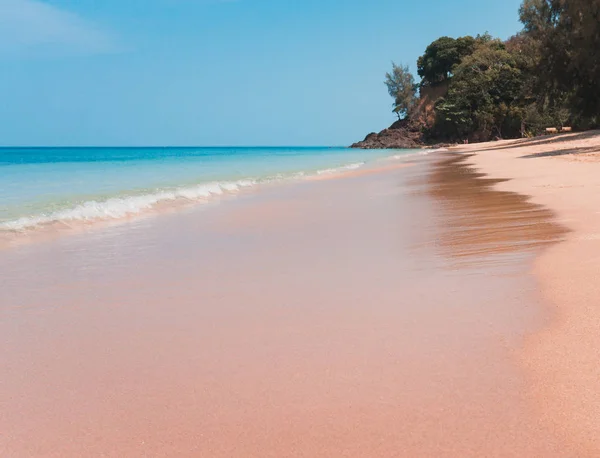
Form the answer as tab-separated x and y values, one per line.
547	75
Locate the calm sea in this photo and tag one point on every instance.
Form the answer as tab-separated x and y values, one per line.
40	186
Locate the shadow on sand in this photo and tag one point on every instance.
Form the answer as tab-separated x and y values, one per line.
546	140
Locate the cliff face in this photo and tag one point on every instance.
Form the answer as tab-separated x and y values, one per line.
408	133
425	111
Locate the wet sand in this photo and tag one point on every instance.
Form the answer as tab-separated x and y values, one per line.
382	314
562	360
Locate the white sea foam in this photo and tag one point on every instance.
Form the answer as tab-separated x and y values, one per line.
343	168
423	152
127	206
121	207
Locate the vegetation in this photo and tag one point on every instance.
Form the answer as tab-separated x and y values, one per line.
441	56
401	86
545	76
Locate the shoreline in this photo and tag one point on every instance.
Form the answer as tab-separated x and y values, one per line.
88	215
307	311
342	317
561	360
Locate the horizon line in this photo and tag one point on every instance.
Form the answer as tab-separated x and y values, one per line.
167	146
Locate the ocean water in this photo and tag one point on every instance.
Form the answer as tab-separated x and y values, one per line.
41	186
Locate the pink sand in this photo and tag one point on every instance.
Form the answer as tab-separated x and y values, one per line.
561	362
341	318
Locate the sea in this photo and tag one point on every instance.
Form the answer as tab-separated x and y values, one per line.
43	186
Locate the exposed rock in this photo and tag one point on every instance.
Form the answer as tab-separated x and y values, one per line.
400	135
409	133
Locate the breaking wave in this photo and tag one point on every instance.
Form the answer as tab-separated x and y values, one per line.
120	207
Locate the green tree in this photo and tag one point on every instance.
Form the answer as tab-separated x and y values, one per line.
401	87
540	17
440	57
542	25
484	96
580	25
568	33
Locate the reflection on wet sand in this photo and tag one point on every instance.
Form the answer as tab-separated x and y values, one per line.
478	222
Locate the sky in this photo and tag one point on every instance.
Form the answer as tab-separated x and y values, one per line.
215	72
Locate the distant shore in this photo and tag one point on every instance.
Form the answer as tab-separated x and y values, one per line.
561	173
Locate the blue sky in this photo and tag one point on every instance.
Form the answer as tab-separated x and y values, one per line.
215	72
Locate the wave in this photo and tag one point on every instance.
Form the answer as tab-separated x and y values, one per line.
343	168
121	207
412	154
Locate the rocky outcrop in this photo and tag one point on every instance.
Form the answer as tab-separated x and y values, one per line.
400	135
408	133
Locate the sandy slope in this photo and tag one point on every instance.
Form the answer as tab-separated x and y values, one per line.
563	360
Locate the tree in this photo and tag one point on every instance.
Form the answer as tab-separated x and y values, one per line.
484	95
568	33
580	25
441	56
539	17
401	87
542	25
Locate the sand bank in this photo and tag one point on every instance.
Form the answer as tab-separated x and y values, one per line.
561	173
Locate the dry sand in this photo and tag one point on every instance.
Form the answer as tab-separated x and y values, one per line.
563	360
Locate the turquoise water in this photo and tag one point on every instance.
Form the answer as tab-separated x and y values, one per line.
45	185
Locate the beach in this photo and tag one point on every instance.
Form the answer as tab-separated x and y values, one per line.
561	360
441	306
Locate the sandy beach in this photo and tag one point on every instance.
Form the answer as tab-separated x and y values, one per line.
561	173
425	310
272	229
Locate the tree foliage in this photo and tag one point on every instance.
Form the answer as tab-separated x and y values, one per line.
401	87
580	25
484	96
547	75
567	34
441	56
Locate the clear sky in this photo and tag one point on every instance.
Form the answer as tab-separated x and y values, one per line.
215	72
